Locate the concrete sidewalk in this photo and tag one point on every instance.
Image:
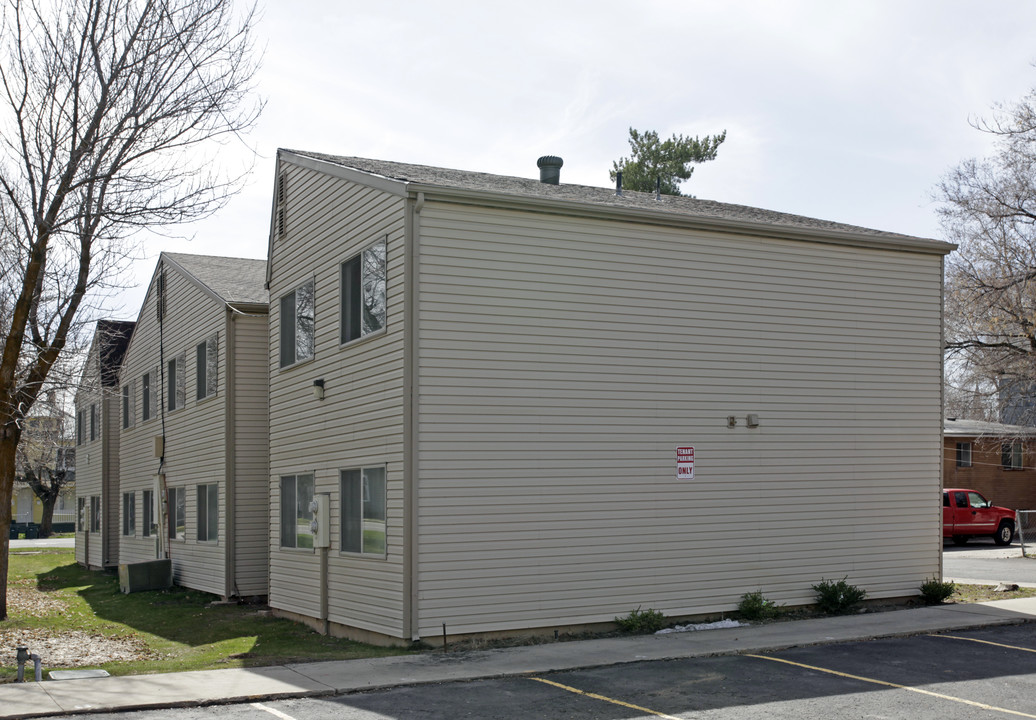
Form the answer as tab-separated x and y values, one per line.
337	677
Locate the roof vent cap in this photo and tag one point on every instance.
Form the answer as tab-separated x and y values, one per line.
550	169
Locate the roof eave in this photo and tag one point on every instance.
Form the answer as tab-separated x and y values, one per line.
655	217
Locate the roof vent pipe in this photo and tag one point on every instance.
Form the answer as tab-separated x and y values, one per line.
550	169
618	183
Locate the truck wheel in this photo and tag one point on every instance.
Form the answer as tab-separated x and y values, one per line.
1004	534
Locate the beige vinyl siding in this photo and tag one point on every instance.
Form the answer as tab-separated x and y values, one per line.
90	464
250	427
561	363
359	423
112	502
195	446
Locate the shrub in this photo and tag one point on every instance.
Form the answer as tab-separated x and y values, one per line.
755	606
642	621
839	597
935	591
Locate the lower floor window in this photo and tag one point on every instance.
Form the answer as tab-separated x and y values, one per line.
208	512
95	513
129	513
296	495
177	513
81	514
147	512
363	510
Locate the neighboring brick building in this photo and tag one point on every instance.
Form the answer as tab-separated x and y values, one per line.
997	460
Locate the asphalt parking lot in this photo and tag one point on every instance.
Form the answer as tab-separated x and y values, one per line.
987	673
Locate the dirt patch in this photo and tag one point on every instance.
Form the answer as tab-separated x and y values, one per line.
71	648
28	601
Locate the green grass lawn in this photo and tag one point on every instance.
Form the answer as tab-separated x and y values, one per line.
177	629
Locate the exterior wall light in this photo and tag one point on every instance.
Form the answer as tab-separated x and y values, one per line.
318	389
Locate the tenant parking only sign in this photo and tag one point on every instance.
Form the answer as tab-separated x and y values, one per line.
685	463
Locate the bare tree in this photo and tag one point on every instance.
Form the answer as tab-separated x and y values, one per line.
989	209
111	114
46	455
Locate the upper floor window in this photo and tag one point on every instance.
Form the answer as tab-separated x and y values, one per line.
297	325
128	406
964	454
95	425
79	427
207	358
363	292
176	392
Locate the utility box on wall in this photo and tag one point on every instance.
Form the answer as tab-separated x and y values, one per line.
149	575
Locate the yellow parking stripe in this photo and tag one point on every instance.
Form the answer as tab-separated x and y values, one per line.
613	701
972	703
986	642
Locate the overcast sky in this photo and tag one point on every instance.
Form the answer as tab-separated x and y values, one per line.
848	111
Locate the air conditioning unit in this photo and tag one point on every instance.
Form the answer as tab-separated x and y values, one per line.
148	575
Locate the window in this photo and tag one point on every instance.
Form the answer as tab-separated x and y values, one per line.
176	390
296	495
977	501
81	514
363	511
95	513
177	499
148	389
147	512
363	293
79	427
95	429
1011	455
297	325
963	454
129	513
206	368
129	409
208	512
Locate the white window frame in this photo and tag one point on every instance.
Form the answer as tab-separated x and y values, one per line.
129	514
95	513
208	512
293	324
363	288
295	512
964	454
206	372
176	383
149	382
147	514
129	405
364	526
177	505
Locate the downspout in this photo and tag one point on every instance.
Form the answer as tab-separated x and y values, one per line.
942	404
230	458
411	586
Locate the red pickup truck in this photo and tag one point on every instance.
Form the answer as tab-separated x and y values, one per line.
966	514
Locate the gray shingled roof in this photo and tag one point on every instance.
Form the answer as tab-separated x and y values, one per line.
957	427
234	280
587	195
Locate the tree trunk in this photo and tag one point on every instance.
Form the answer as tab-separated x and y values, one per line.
47	521
8	446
